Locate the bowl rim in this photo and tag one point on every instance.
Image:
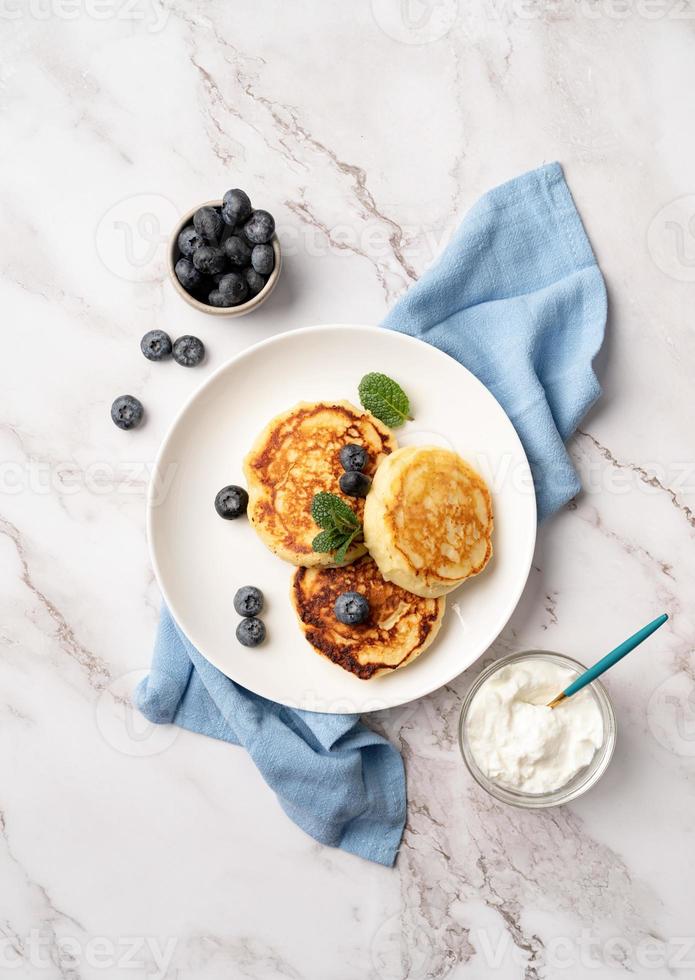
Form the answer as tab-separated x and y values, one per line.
584	780
173	254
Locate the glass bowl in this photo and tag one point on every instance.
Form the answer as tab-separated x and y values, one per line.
583	780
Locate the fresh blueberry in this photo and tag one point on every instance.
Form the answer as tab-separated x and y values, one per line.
236	206
188	351
208	224
187	274
233	288
127	412
254	280
156	345
231	502
208	259
189	240
260	227
250	632
353	457
353	483
351	608
215	298
263	259
237	251
248	601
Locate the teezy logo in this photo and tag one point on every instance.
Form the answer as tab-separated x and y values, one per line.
671	714
415	21
671	239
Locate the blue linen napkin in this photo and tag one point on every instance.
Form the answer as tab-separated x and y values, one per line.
518	299
340	782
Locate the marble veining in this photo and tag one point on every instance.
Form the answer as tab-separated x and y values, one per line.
368	129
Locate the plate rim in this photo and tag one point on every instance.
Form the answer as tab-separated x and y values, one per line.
252	350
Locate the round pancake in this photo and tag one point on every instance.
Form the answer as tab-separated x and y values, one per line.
428	520
295	457
400	625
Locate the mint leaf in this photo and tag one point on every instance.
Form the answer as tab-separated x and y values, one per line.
329	511
345	547
384	398
327	540
340	524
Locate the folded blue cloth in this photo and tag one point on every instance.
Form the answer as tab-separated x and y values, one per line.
518	299
341	783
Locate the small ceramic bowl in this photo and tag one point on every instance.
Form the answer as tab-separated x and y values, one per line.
584	779
242	308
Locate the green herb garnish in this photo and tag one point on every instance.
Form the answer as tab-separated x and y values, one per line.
340	525
384	398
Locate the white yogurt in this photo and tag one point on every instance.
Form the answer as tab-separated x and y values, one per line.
520	743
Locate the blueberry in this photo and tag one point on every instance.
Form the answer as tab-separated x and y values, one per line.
260	227
353	483
236	206
215	298
250	632
353	457
127	412
254	280
188	351
248	601
233	288
237	251
189	240
208	259
156	345
351	608
208	224
231	502
263	259
187	274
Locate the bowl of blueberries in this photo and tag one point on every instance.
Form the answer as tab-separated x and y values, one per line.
225	257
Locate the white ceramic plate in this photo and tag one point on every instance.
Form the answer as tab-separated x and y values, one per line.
200	560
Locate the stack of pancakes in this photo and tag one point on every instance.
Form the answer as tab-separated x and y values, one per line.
427	526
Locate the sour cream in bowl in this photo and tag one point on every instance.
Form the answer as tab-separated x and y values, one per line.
523	752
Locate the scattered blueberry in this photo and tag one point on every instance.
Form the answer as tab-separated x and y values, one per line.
260	227
250	632
188	241
237	251
187	274
236	206
351	608
156	345
254	280
127	412
208	224
353	483
233	288
353	457
263	259
188	351
231	502
248	601
208	259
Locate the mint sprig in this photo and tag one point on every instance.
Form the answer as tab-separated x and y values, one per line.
384	398
340	525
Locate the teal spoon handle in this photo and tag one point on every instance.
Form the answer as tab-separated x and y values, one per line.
614	656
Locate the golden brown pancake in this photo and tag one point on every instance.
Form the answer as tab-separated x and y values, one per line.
400	625
428	520
295	457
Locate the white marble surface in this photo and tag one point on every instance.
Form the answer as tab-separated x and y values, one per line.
131	853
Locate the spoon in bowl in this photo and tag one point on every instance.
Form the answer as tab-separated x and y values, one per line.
609	660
